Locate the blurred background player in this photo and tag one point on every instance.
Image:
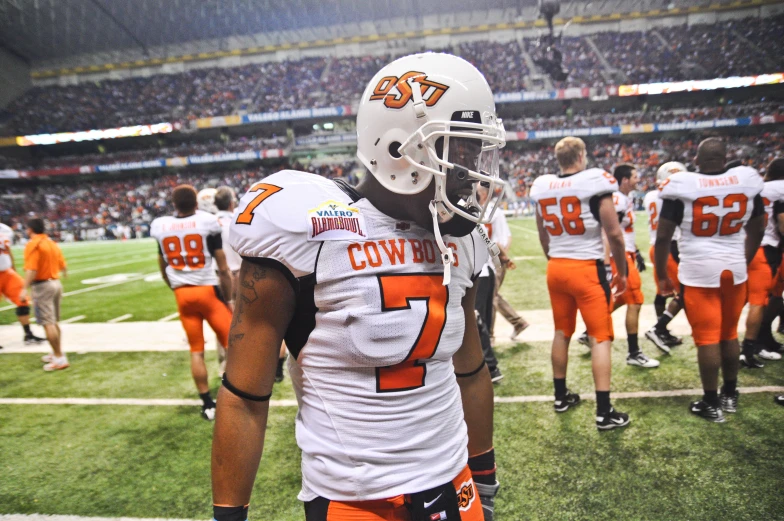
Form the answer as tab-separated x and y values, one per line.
712	207
659	334
765	287
43	263
188	243
632	298
12	284
573	209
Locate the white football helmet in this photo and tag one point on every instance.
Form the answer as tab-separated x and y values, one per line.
412	114
206	200
667	169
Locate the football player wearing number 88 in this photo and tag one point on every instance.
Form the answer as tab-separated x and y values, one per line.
712	208
372	288
573	208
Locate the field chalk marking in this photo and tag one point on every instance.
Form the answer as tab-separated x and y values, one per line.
119	319
71	320
167	318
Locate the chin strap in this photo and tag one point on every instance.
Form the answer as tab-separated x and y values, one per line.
447	255
492	247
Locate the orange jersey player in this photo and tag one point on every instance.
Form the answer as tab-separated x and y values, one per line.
713	209
573	208
189	242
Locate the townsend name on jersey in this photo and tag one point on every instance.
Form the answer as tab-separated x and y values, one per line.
335	221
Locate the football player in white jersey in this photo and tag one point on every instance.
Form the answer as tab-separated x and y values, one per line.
188	243
632	298
373	290
12	285
573	208
765	286
712	208
659	334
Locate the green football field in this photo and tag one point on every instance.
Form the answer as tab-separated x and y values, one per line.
153	461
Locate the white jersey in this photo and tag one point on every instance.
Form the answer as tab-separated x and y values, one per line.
233	260
498	232
624	207
653	205
772	197
715	210
568	206
373	336
186	244
6	240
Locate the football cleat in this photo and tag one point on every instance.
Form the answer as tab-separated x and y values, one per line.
749	361
570	399
779	399
519	328
658	340
57	364
496	375
487	495
640	360
612	420
768	355
584	340
709	412
670	339
729	402
32	339
47	358
208	413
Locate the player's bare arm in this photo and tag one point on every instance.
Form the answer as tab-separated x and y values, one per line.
224	274
614	234
661	254
755	230
162	267
544	237
257	332
473	378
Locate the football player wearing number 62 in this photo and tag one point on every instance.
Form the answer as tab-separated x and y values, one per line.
373	288
573	208
188	244
712	208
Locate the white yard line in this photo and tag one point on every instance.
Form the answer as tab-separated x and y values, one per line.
167	318
113	265
71	320
119	319
162	402
526	230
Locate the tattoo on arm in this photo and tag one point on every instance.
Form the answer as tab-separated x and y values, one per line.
247	293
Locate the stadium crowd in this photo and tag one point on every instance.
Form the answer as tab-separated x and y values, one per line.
667	53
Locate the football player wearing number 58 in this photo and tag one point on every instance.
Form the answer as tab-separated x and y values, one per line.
188	244
713	209
372	288
573	208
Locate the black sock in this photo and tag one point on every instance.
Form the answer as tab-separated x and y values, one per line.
634	347
747	348
281	361
207	399
729	387
603	402
711	398
26	328
664	321
483	467
560	387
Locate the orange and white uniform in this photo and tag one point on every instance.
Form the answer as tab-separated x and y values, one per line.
653	205
712	210
233	260
372	340
11	283
624	207
187	244
576	279
764	270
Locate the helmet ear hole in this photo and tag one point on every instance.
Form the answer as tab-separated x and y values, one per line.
394	150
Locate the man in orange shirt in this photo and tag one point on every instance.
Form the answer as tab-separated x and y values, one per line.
43	262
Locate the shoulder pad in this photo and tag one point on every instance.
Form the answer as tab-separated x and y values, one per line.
597	181
273	218
675	185
620	201
774	190
540	185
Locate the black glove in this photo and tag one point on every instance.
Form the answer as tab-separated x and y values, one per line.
640	261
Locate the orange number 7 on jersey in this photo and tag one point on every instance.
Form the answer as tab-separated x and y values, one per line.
246	217
397	292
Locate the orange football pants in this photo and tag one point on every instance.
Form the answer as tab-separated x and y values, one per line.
580	284
394	508
633	293
672	270
11	285
197	304
713	313
763	281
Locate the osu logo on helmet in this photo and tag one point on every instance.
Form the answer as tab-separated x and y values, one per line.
465	496
431	90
